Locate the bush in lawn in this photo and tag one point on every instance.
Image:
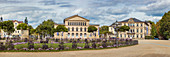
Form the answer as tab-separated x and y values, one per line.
74	45
86	44
56	40
45	46
104	43
25	40
10	46
30	45
2	47
71	40
61	46
94	45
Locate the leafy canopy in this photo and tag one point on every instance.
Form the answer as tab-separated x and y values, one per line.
22	26
164	26
92	29
8	26
123	28
61	28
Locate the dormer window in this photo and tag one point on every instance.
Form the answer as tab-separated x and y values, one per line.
15	23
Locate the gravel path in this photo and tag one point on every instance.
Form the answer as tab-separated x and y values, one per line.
146	48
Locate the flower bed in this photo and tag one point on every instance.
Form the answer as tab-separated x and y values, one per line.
67	45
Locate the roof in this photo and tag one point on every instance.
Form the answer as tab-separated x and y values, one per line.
134	19
17	21
75	16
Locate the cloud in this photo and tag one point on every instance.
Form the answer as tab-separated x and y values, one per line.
103	12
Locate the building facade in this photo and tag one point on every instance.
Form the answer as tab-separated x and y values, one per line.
138	29
77	28
16	33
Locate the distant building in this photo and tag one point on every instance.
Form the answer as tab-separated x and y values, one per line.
138	29
16	33
77	28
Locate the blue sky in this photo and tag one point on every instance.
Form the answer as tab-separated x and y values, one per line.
103	12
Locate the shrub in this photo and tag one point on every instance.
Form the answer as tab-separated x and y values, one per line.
149	37
45	46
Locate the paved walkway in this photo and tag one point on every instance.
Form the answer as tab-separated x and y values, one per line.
146	48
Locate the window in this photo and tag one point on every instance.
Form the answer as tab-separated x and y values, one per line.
85	23
72	35
76	35
77	29
128	35
18	31
95	34
81	29
81	24
68	28
72	28
141	30
80	34
85	29
120	35
68	34
137	25
137	30
124	24
141	35
15	23
68	23
133	30
57	33
141	25
84	34
125	35
137	35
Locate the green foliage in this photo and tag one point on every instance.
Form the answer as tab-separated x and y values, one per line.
22	26
105	30
153	30
149	37
165	26
46	27
8	27
92	29
61	28
26	21
123	28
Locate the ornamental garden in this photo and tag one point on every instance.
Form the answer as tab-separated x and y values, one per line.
53	45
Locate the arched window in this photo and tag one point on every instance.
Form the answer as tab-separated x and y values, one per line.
81	29
77	29
85	29
72	28
85	23
68	28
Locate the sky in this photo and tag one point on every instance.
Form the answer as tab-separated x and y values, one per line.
103	12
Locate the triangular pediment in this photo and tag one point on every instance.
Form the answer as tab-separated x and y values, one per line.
76	17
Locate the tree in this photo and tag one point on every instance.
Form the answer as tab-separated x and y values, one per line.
60	28
123	28
26	21
105	30
31	28
8	27
164	25
46	28
91	29
153	30
22	26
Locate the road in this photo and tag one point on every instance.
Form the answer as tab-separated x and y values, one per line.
146	48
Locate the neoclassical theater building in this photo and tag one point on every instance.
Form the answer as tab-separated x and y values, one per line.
138	29
77	28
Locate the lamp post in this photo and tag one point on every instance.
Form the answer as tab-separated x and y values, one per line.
116	27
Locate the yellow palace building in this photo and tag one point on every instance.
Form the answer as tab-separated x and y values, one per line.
77	28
